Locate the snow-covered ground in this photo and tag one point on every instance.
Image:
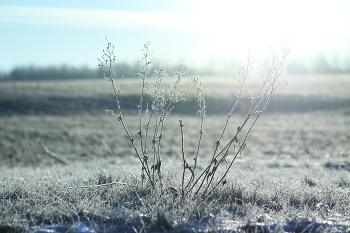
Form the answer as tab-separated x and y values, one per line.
279	193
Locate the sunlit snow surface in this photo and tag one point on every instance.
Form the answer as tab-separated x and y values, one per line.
230	223
207	224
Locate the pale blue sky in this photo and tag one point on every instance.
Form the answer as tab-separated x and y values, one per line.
194	32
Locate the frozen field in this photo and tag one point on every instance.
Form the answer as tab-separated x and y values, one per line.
293	176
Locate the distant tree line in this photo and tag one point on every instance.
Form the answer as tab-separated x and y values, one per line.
319	64
65	72
52	72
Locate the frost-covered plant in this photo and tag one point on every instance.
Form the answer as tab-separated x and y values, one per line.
165	92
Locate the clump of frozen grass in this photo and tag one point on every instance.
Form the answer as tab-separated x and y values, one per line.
36	199
166	92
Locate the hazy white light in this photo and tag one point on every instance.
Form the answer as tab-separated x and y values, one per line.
234	26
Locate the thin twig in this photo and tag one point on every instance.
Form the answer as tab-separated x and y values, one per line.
52	154
183	157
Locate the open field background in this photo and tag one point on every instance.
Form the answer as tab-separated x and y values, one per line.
309	115
293	174
303	93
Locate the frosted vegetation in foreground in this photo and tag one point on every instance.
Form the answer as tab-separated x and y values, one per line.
165	94
282	193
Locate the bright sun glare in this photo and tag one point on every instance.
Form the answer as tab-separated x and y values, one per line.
250	24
